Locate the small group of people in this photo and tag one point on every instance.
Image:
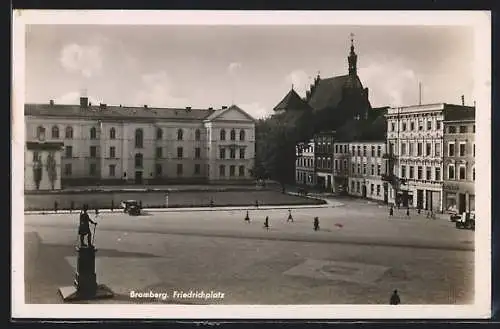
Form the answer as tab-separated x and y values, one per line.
430	214
288	220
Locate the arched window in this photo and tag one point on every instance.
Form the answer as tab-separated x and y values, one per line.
112	133
222	135
180	134
69	132
242	135
139	138
93	133
138	160
55	132
40	132
233	134
197	134
159	133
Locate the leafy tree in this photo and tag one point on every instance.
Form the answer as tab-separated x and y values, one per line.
51	169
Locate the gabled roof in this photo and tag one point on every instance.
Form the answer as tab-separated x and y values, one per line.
115	112
218	113
292	102
328	92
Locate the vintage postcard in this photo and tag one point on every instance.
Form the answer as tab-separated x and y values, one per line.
275	165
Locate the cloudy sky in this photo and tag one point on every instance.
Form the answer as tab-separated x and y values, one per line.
252	66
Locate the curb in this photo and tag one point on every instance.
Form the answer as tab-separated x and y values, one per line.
198	209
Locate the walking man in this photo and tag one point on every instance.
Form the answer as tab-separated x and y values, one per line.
247	218
408	212
391	211
290	218
55	206
395	300
316	223
266	223
84	228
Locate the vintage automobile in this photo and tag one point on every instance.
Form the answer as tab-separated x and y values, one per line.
134	210
127	204
454	217
466	221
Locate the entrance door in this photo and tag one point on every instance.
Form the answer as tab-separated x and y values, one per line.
461	203
364	191
420	199
386	194
138	177
428	200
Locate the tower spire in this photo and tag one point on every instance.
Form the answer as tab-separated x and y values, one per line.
352	58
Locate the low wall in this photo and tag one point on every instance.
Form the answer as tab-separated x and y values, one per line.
177	199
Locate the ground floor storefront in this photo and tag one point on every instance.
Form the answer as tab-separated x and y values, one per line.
424	196
459	197
374	189
325	181
305	177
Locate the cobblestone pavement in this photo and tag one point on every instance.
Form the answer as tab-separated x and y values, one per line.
359	256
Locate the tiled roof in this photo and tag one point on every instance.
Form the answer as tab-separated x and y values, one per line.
372	129
115	112
293	102
216	113
328	92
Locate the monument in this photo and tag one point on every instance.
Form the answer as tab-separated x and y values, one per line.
85	285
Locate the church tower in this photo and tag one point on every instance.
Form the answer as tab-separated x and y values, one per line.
352	59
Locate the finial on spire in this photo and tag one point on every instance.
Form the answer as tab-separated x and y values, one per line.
292	86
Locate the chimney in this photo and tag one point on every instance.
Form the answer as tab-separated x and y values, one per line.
145	106
84	102
463	100
102	106
51	102
188	108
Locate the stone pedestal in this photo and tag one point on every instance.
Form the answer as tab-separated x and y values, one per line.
85	285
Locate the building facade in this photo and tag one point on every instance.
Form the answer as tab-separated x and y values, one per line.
415	154
341	165
114	144
305	164
366	169
42	167
323	149
459	164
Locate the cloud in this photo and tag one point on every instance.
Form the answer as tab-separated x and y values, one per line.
234	67
300	81
158	91
73	98
390	83
83	59
256	110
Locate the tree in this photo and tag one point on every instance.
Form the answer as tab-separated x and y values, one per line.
37	173
51	169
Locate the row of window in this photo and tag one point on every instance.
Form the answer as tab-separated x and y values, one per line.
462	173
356	186
411	126
365	166
68	170
372	153
409	149
461	129
305	162
158	152
139	134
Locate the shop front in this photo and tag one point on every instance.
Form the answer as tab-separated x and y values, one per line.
459	197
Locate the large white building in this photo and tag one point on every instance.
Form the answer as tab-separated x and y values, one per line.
142	145
415	147
305	164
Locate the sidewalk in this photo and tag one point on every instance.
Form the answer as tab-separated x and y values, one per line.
328	204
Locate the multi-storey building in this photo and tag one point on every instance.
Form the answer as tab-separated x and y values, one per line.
415	154
367	167
341	163
323	149
304	164
459	162
114	144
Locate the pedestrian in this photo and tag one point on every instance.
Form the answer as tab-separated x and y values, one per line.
247	218
96	211
211	203
290	218
395	300
112	205
391	211
72	206
418	210
266	223
140	204
407	212
316	223
55	206
256	204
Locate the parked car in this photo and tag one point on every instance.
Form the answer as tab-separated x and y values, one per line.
127	204
134	210
466	221
454	217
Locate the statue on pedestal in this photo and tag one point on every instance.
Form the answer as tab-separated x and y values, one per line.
84	228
